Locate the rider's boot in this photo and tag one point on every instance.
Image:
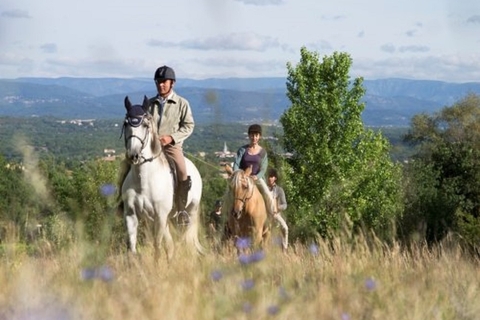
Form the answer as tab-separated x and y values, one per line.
181	201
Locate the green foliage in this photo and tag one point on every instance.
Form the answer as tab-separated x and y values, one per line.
214	184
448	152
340	173
22	201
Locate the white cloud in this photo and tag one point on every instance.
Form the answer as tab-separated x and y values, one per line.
49	47
413	49
474	19
262	2
388	47
226	38
411	33
234	41
16	13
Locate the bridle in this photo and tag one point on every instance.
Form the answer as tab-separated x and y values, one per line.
245	198
135	122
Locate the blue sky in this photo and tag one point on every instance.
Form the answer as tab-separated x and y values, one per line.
415	39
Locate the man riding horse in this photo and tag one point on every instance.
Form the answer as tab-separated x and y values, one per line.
174	119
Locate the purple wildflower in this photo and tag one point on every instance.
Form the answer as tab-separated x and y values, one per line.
247	307
345	316
273	310
243	243
216	275
313	248
257	256
251	258
282	292
107	189
248	284
370	284
87	274
103	273
244	258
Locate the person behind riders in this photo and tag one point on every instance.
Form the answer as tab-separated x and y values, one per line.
175	123
279	204
216	225
215	219
254	155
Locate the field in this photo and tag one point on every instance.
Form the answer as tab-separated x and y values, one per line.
342	279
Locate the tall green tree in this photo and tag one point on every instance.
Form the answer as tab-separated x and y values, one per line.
339	172
448	153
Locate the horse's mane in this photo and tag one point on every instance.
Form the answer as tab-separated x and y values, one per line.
155	142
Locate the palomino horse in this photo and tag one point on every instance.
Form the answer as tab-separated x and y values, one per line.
148	189
247	212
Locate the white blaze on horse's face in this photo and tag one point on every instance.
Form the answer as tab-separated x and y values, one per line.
242	192
136	141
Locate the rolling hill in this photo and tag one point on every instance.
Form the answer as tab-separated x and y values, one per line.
389	102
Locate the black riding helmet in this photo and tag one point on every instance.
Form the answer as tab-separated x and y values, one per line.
164	73
255	128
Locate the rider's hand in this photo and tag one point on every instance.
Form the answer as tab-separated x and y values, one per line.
255	178
165	140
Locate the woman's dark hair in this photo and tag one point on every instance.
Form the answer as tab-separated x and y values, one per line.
255	128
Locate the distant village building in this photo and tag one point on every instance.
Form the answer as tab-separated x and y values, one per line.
224	153
81	122
109	151
109	155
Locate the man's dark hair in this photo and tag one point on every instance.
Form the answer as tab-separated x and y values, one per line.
272	173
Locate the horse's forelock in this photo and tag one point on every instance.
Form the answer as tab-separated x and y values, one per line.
238	180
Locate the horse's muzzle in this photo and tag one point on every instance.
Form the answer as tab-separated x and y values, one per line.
237	214
134	158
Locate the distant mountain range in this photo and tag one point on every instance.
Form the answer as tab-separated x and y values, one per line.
389	102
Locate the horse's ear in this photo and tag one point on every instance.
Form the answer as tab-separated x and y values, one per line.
228	169
128	104
146	103
248	172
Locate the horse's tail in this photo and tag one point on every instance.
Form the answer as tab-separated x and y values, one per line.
191	234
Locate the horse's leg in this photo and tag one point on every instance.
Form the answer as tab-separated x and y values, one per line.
157	239
131	221
258	232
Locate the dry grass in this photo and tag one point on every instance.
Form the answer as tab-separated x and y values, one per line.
338	280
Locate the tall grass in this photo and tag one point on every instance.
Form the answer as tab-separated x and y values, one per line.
64	276
338	279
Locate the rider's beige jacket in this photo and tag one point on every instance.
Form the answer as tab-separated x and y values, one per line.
176	120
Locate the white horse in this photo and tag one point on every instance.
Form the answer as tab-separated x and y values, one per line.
148	188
